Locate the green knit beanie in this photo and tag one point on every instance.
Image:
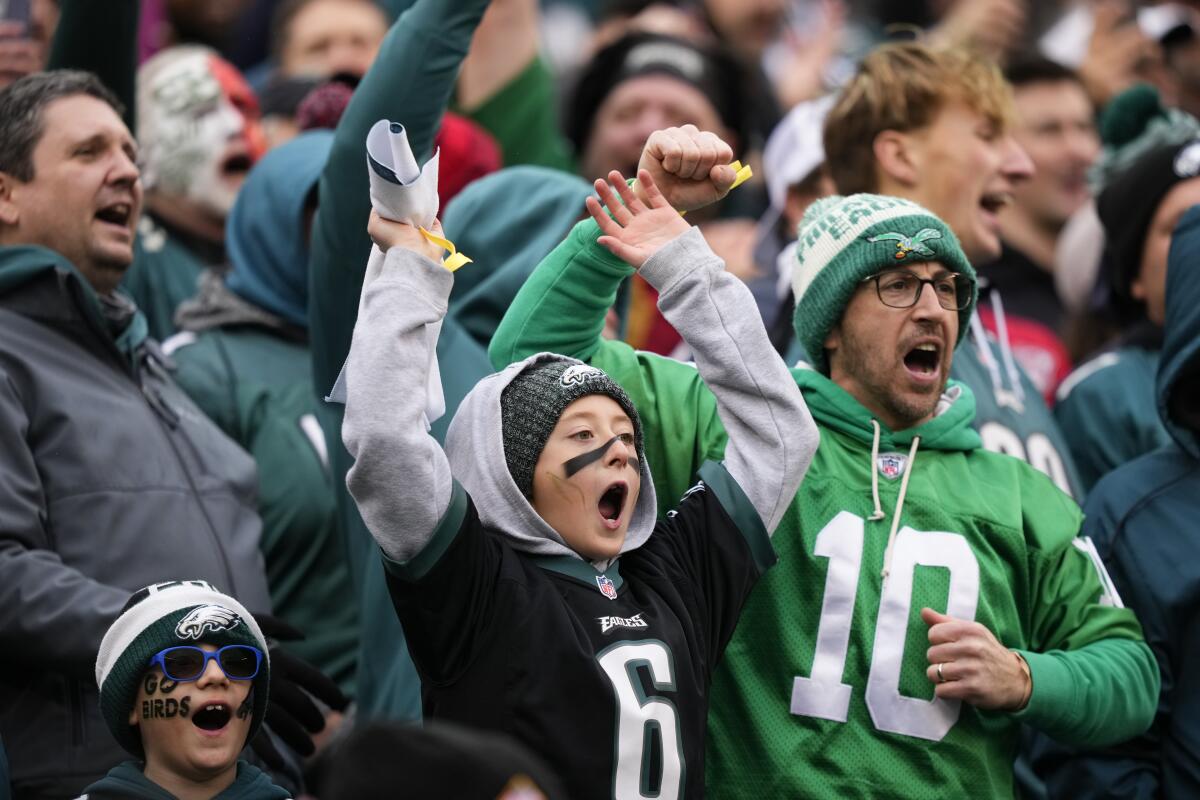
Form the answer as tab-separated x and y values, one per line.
166	615
843	240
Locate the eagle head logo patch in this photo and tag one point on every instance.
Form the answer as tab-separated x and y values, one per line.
579	373
909	245
206	618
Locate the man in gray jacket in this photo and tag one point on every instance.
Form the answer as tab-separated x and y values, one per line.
110	478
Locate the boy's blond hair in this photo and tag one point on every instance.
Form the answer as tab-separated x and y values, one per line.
902	86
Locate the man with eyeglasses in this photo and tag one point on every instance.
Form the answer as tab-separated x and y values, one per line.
929	595
184	676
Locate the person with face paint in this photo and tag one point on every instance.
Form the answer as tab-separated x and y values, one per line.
537	593
184	674
199	133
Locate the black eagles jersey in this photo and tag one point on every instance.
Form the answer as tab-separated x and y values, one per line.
604	674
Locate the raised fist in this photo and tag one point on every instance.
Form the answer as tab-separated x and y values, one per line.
689	166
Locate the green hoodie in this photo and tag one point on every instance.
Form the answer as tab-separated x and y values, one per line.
126	781
243	357
828	662
410	82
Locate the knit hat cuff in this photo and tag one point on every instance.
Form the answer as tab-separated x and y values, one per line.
142	615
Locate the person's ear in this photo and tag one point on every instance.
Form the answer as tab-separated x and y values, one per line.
133	714
1137	289
898	156
9	213
833	340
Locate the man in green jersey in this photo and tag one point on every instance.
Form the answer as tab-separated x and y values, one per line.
930	594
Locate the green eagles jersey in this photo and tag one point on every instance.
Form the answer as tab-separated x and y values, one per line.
828	666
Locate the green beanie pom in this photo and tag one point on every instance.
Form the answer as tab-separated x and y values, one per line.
1125	118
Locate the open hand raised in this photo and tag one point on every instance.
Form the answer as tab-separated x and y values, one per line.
690	166
636	229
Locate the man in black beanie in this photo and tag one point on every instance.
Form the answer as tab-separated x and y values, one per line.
644	82
1106	408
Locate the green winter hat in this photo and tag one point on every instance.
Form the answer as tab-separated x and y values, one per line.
843	240
164	615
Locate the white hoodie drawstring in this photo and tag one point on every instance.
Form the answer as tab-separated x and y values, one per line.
908	467
1010	364
878	514
1005	398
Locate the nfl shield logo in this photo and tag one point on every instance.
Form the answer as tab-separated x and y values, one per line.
606	587
891	465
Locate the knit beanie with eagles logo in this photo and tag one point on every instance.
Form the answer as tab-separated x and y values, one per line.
534	400
842	240
166	615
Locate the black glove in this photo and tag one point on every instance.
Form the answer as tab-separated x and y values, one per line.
291	712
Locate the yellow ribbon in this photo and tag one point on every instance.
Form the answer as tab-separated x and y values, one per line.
453	261
743	174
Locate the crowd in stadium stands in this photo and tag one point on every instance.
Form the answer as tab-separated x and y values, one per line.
679	398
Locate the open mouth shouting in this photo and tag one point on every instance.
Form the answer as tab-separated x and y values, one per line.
118	215
924	361
992	204
212	718
237	165
612	504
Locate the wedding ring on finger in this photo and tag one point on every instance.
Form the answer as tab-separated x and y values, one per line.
941	677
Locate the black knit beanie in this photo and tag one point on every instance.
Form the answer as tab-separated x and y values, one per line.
534	400
1128	203
716	73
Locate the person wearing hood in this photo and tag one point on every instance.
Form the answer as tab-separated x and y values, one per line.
184	674
426	46
1151	177
525	563
242	355
110	477
1142	518
917	534
507	241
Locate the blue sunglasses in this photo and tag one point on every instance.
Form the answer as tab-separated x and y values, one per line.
239	662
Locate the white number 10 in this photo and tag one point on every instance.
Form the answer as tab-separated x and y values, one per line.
823	694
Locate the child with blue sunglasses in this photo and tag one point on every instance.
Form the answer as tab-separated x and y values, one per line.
184	677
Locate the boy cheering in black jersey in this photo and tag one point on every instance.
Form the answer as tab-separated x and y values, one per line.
538	594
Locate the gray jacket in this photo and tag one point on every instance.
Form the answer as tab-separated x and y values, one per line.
110	479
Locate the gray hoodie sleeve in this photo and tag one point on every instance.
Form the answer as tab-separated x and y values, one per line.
400	478
772	436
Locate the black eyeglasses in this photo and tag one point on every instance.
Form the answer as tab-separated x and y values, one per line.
239	662
900	288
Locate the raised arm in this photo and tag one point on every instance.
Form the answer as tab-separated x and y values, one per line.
100	38
410	82
772	436
400	478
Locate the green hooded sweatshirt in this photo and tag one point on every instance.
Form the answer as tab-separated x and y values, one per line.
126	781
823	690
243	357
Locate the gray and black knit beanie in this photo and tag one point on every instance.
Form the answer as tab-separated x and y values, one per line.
534	400
167	615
